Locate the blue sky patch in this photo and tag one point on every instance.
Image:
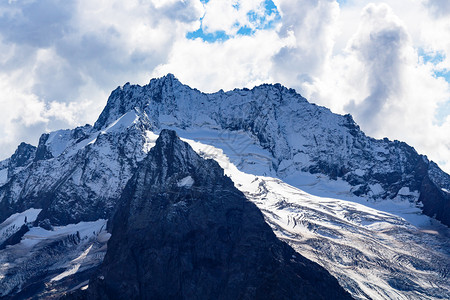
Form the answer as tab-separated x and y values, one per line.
257	22
245	30
208	37
442	112
444	74
434	58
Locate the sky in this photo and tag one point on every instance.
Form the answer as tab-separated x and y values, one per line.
385	62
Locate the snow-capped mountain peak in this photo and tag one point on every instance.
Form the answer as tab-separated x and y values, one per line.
322	184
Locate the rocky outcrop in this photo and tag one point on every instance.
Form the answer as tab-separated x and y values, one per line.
183	231
23	156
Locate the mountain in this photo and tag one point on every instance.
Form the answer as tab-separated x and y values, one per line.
183	231
74	175
300	136
370	211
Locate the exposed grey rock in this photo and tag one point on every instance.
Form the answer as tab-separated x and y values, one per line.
23	156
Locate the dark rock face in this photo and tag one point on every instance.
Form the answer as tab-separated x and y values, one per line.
436	202
16	237
42	152
24	155
183	231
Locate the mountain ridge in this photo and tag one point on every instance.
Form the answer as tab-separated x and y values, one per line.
392	164
264	137
300	137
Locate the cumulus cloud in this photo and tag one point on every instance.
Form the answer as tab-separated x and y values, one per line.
243	61
35	23
60	55
439	7
382	46
240	61
59	60
381	79
311	26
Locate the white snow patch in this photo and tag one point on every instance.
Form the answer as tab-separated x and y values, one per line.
74	268
150	140
376	189
405	191
302	159
187	181
284	164
124	121
359	172
58	141
121	123
72	150
167	120
82	286
85	229
236	147
15	221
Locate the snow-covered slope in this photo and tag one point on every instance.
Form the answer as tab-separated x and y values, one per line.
48	262
83	182
351	203
374	253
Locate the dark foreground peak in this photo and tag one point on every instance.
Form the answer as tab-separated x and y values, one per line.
183	231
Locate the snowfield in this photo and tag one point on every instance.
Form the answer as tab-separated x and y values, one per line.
376	249
15	221
53	255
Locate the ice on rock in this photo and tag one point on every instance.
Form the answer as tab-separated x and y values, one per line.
187	181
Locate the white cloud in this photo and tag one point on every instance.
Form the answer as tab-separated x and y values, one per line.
312	26
381	46
59	60
439	7
243	61
381	80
